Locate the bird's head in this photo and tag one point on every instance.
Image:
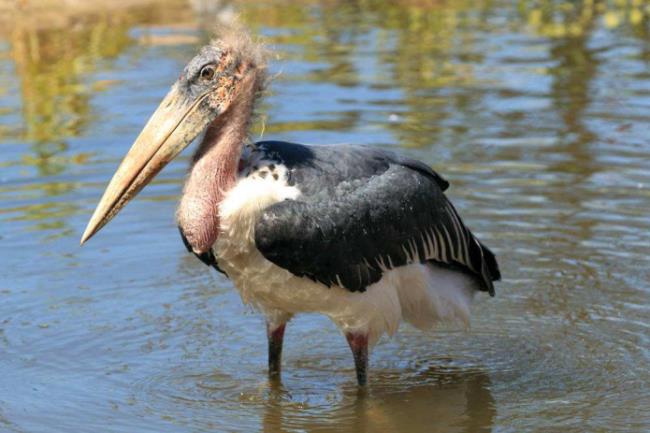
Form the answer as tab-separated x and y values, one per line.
227	72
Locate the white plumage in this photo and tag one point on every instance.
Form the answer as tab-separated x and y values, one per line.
421	294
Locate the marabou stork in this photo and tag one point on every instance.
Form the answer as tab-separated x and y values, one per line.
359	234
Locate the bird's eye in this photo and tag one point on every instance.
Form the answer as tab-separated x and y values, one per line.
207	72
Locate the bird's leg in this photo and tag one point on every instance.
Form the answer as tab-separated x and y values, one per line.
275	335
359	345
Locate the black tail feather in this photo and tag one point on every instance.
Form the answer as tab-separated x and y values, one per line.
491	262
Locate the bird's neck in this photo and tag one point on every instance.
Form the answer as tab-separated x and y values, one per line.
214	172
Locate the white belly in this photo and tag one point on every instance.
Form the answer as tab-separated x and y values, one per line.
422	294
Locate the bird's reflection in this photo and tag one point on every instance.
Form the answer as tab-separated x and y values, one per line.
439	399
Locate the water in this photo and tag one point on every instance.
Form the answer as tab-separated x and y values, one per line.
537	112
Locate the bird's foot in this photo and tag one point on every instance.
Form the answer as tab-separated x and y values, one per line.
359	345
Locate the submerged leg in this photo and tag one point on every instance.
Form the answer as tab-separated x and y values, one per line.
275	336
359	345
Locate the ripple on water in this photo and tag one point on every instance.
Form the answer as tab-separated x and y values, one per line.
540	126
324	397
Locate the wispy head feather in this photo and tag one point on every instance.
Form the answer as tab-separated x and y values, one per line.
234	36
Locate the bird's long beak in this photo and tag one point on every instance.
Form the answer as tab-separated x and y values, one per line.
171	128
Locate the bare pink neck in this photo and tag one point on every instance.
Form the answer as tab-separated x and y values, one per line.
213	174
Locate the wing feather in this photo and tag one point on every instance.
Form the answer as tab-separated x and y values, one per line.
352	236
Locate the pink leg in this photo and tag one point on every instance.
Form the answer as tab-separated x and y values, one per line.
275	337
359	345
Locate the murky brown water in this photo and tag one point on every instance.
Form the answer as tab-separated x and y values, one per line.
537	112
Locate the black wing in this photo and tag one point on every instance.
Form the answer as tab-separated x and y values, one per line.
371	211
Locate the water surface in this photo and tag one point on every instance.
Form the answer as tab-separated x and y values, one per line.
536	112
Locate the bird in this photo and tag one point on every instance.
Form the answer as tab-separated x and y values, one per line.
358	233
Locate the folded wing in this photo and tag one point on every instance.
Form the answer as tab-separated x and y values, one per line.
367	226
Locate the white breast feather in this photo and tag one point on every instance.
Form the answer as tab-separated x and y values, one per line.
422	294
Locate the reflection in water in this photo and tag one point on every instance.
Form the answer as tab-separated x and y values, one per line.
436	400
57	57
537	112
54	65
